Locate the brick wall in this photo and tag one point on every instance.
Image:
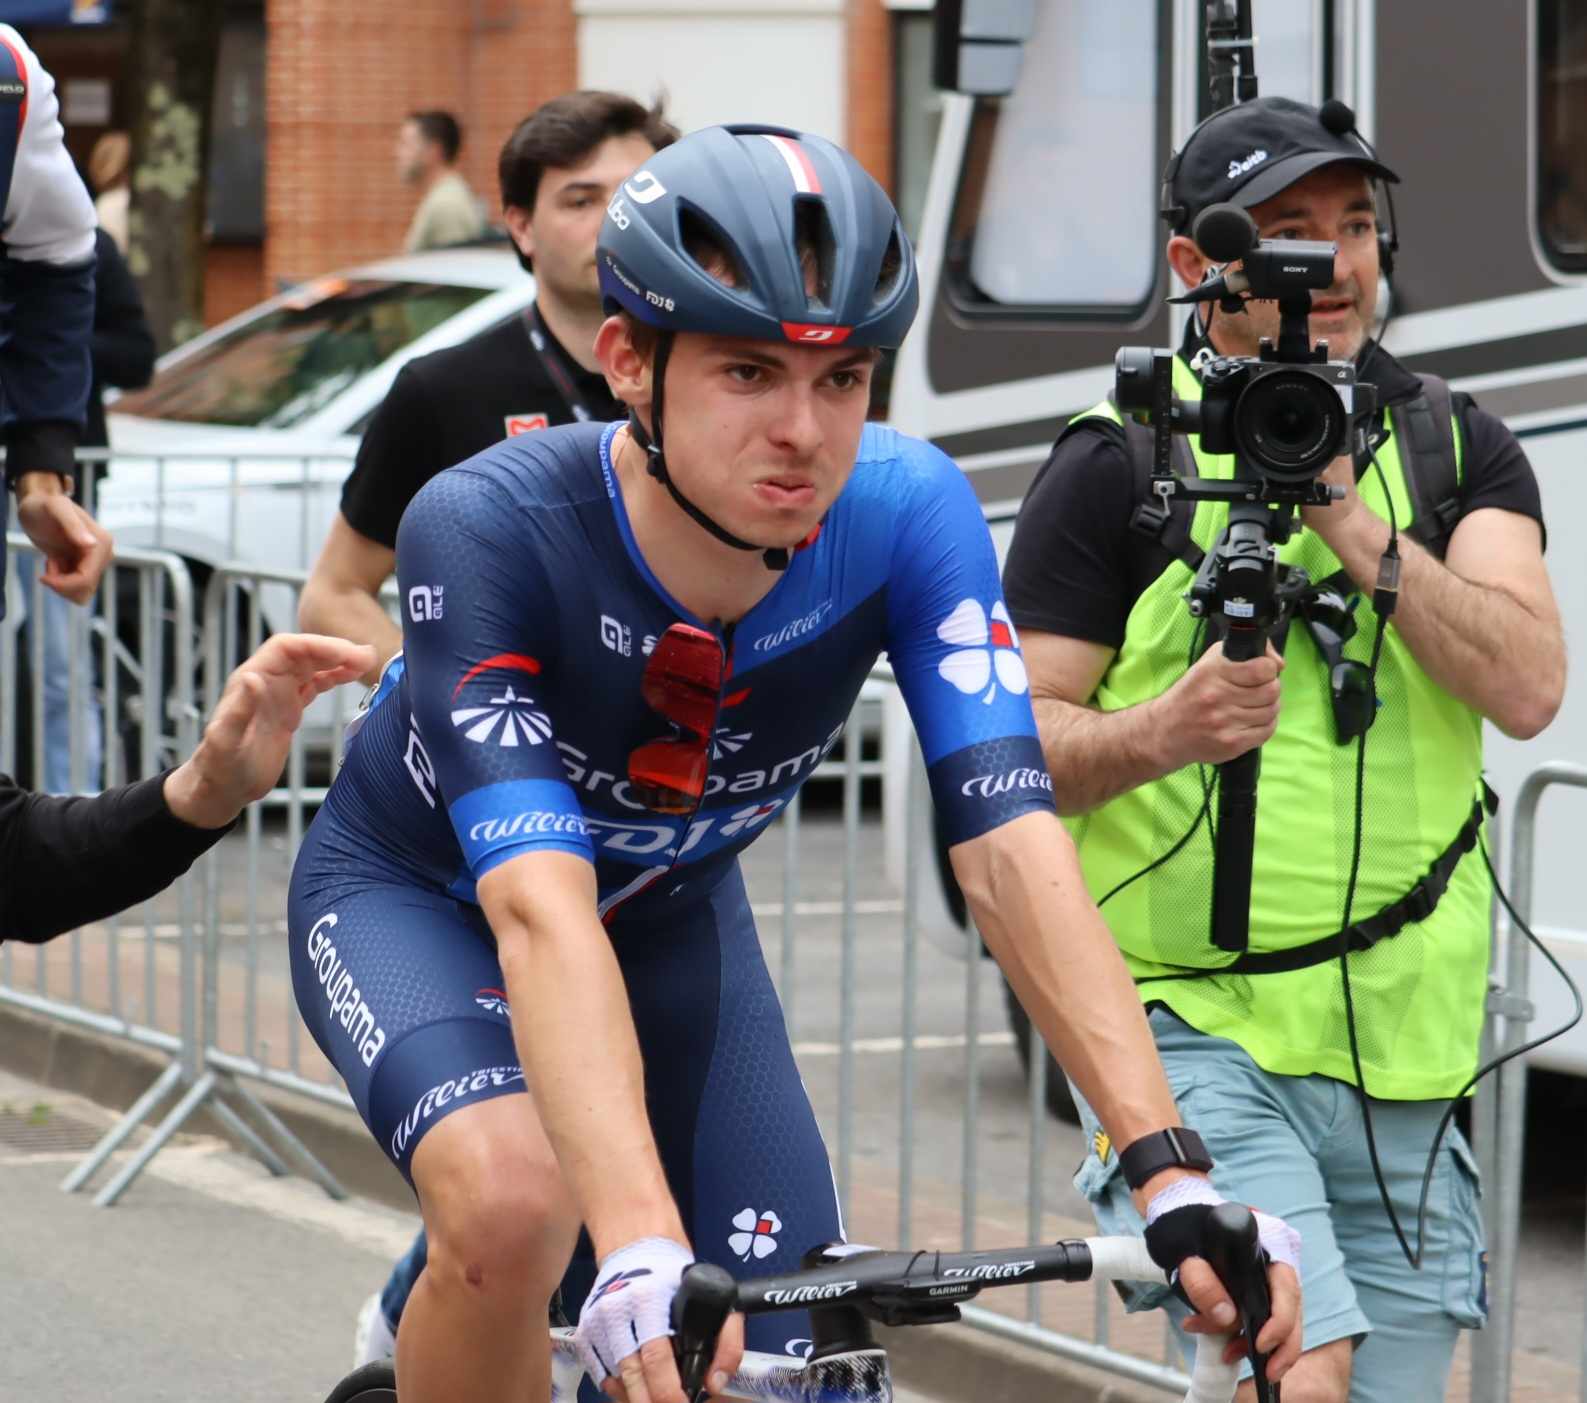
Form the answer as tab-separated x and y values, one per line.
339	80
870	88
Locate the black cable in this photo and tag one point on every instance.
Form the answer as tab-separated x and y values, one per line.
1414	1257
1205	812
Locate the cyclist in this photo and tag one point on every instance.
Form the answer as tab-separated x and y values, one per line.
518	926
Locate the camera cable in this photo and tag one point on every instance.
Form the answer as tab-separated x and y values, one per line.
1384	598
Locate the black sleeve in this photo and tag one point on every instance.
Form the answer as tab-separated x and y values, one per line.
1495	471
398	455
65	861
1069	568
123	344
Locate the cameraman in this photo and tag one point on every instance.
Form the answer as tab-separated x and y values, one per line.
1132	719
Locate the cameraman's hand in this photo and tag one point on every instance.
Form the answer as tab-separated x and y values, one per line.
1219	709
1328	521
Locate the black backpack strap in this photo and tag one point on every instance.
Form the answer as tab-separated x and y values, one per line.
1424	429
1166	522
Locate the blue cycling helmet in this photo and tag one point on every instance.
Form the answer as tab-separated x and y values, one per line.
755	194
749	202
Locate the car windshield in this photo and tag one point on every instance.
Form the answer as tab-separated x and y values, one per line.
279	369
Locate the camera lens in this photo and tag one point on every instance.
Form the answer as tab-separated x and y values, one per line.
1290	424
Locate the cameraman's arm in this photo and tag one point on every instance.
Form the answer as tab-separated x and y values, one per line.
1214	712
1075	570
1483	624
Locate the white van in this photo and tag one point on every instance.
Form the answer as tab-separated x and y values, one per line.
1042	253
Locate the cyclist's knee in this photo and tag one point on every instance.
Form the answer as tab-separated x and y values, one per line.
1320	1375
497	1210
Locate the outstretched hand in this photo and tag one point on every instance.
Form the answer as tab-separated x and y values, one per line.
244	747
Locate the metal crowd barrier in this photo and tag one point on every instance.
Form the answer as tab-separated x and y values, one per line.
1493	1350
897	1021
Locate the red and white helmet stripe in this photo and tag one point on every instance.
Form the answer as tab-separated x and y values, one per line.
800	167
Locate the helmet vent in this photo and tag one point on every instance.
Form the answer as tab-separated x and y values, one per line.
891	270
706	245
817	250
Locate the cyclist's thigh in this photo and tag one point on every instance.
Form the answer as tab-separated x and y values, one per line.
402	991
1263	1133
1416	1315
732	1121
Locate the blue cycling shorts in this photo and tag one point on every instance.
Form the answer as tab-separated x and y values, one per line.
402	991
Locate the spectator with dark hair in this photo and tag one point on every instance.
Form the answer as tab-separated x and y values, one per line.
558	170
449	213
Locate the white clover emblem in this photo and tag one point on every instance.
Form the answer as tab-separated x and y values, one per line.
755	1236
984	648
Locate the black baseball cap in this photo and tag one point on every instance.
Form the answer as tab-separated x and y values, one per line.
1248	153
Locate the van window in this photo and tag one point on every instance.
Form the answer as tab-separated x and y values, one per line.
1057	205
1562	133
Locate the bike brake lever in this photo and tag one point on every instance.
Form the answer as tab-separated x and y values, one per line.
1232	1249
706	1297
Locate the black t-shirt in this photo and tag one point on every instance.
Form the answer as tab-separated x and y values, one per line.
1076	566
452	404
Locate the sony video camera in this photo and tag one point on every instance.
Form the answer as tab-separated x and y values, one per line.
1285	414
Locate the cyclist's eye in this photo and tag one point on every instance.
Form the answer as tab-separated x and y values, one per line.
847	379
746	374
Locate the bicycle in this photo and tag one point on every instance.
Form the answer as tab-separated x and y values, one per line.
845	1288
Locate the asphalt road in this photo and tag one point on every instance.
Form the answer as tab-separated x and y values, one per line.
968	1160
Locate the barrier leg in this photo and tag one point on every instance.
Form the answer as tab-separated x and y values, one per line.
250	1137
290	1142
152	1146
135	1115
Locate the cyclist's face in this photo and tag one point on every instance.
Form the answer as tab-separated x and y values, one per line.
559	233
763	435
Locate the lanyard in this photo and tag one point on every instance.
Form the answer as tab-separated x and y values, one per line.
554	362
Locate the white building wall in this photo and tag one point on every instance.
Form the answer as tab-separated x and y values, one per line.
775	61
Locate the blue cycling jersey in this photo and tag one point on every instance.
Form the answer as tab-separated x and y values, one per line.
528	613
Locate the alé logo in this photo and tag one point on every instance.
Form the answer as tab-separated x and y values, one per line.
986	651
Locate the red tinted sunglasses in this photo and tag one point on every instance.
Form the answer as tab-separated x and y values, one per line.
683	683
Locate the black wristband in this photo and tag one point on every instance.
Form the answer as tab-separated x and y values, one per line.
1175	1148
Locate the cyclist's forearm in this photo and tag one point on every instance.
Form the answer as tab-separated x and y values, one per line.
1031	905
1094	756
575	1036
345	611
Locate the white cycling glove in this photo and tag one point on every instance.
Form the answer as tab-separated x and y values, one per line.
630	1303
1172	1234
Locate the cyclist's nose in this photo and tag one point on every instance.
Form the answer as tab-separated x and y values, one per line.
796	424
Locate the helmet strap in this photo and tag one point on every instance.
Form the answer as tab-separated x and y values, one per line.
775	557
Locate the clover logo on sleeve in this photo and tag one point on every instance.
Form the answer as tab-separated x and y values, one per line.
986	651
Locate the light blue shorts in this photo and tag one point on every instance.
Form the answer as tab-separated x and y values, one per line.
1296	1147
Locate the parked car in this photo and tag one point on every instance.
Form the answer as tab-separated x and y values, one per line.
236	451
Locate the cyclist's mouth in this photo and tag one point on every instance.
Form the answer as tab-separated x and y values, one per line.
786	491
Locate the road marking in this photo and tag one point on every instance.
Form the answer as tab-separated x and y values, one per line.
924	1042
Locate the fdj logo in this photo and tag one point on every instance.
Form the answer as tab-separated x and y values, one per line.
424	602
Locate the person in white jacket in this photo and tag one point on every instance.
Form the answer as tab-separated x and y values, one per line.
47	293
